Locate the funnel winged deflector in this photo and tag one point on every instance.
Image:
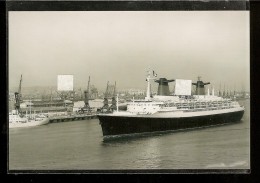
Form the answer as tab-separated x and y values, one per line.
163	88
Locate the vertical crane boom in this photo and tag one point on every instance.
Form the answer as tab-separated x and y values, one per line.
20	87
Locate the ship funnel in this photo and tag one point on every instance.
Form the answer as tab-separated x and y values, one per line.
200	90
163	88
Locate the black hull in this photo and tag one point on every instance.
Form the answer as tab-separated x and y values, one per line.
120	125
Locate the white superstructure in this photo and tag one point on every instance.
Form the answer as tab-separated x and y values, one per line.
182	104
179	107
16	120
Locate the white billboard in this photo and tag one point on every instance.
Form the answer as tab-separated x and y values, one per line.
65	82
182	87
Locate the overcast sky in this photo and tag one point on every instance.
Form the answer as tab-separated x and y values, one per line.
120	46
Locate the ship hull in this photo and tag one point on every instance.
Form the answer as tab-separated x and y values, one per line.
122	125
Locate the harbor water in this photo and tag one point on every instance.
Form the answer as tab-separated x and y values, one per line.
79	145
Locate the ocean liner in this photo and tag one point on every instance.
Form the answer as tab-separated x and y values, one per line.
165	112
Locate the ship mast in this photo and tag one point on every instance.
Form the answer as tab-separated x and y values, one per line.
30	101
148	91
117	102
148	86
86	100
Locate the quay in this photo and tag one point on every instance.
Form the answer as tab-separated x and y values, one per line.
57	119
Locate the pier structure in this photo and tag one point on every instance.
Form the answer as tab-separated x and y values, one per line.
67	118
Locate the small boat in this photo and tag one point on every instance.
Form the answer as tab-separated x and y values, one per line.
17	120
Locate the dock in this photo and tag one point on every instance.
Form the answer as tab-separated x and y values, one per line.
58	119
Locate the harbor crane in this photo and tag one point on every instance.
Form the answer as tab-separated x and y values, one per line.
86	99
18	97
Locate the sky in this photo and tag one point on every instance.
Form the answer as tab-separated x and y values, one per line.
120	46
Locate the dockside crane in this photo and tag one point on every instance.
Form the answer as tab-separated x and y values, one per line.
106	106
86	99
109	93
114	102
18	97
20	87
